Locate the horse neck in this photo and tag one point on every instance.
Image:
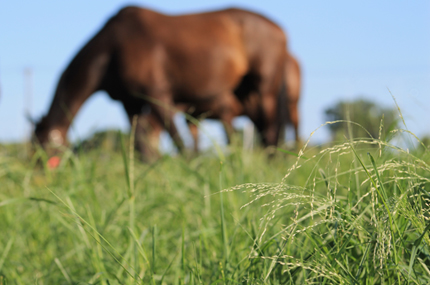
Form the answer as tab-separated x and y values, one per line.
78	82
63	108
67	101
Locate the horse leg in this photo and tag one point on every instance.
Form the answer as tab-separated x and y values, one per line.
229	130
195	134
147	138
227	121
228	108
294	119
163	108
271	127
147	131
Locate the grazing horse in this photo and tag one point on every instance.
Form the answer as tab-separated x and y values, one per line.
215	111
147	59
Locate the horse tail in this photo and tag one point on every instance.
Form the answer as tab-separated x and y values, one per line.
282	109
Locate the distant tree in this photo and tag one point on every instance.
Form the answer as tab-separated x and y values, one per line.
363	112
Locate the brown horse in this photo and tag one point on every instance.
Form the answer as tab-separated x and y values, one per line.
236	108
144	58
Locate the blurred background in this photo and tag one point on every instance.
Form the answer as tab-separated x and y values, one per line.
348	50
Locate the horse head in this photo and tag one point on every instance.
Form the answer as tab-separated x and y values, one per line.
51	139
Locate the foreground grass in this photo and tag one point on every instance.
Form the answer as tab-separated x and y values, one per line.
353	213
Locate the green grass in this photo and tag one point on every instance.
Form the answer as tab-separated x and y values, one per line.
352	213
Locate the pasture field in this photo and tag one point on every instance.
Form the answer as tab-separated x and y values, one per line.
355	212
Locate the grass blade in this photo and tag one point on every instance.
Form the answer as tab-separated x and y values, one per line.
63	271
6	251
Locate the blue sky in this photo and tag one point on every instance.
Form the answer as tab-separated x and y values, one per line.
347	49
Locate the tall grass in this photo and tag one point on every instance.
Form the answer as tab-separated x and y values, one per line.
351	213
335	234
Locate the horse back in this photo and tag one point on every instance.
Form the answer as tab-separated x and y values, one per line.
195	53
